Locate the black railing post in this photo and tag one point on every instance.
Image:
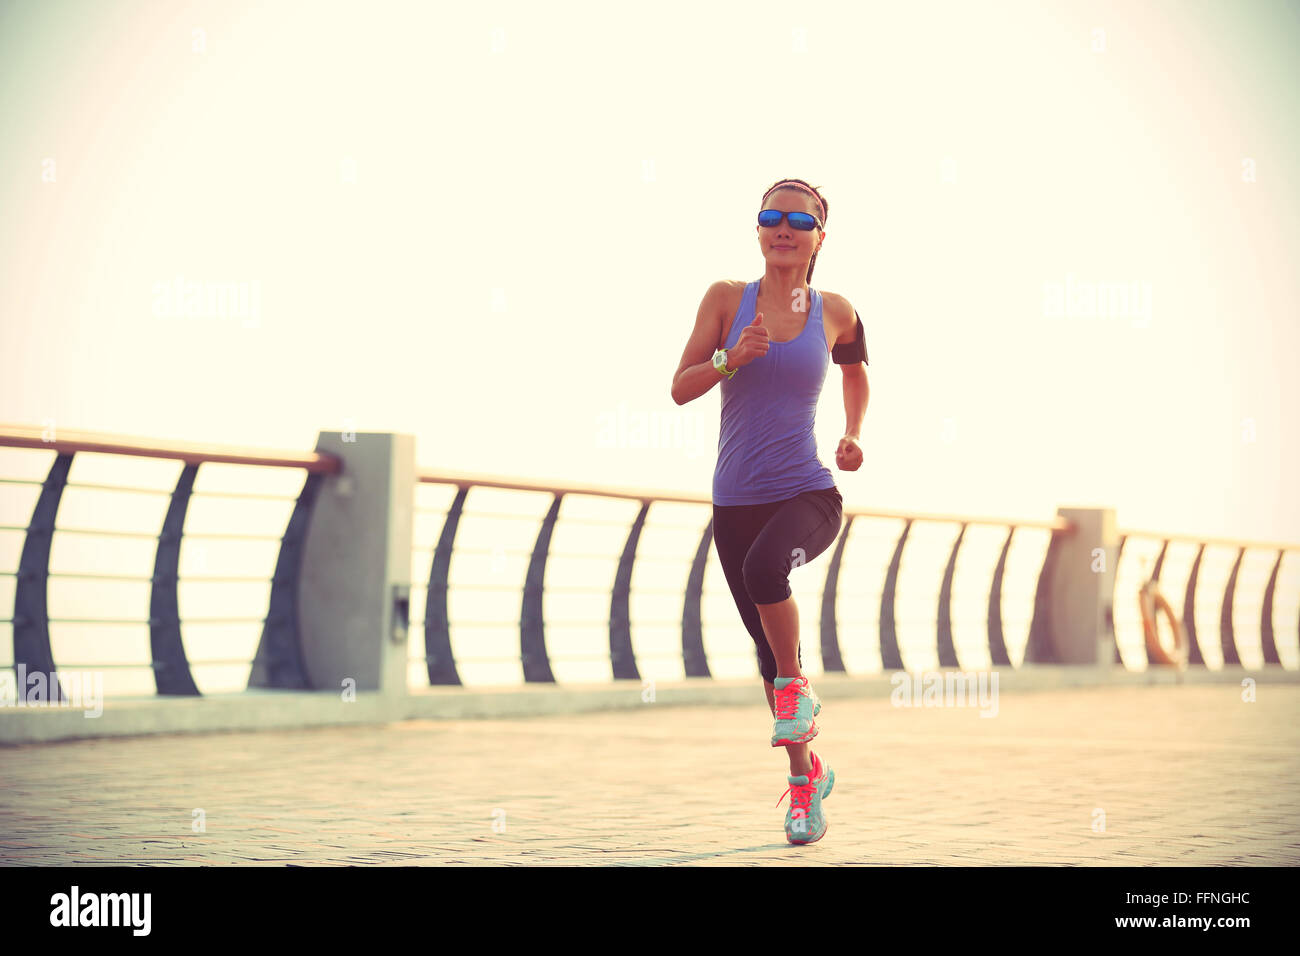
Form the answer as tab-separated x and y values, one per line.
1189	611
1039	648
437	628
948	653
1227	636
621	655
891	659
693	656
31	631
171	670
999	656
1267	642
279	659
831	659
532	628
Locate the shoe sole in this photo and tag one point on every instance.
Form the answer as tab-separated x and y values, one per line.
813	840
785	742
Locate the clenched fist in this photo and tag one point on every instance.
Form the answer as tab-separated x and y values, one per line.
848	456
752	343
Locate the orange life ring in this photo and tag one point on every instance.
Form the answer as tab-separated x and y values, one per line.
1151	602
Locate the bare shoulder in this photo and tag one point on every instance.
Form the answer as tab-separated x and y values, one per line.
730	292
727	291
838	318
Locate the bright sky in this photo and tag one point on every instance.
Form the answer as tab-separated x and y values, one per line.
490	225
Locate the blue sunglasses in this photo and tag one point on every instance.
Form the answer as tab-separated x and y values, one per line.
798	220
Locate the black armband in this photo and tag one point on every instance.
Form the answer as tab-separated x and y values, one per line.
853	352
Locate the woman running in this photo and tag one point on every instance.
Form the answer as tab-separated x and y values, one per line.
775	505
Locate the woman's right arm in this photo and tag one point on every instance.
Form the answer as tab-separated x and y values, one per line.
695	374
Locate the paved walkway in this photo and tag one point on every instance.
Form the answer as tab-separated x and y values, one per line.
1184	776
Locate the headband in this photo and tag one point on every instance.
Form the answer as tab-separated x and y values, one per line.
792	183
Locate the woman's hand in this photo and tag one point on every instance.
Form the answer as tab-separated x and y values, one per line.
752	343
848	456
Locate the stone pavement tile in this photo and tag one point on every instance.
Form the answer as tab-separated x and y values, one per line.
1175	770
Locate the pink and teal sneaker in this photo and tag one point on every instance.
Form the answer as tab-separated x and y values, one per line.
804	820
796	706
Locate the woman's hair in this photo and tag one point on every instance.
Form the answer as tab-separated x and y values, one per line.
780	184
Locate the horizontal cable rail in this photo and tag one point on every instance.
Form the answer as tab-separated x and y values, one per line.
188	579
144	535
550	588
155	665
85	576
598	522
156	620
133	489
469	479
604	658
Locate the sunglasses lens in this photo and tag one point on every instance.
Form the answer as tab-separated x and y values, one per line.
798	220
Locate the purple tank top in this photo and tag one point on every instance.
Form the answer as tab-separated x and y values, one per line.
766	447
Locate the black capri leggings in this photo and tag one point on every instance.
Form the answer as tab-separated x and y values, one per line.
759	544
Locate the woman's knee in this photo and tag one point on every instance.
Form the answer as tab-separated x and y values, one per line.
766	580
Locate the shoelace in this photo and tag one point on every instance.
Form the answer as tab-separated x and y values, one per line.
800	798
787	702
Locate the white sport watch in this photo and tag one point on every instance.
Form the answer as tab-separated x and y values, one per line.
720	363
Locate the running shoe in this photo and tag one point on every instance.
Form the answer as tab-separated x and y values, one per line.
804	820
796	706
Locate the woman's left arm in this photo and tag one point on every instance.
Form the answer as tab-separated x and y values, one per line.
850	354
848	456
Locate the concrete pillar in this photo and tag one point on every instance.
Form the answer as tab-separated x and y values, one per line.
357	566
1079	598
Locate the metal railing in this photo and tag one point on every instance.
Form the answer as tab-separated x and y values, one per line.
1232	592
278	662
441	661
